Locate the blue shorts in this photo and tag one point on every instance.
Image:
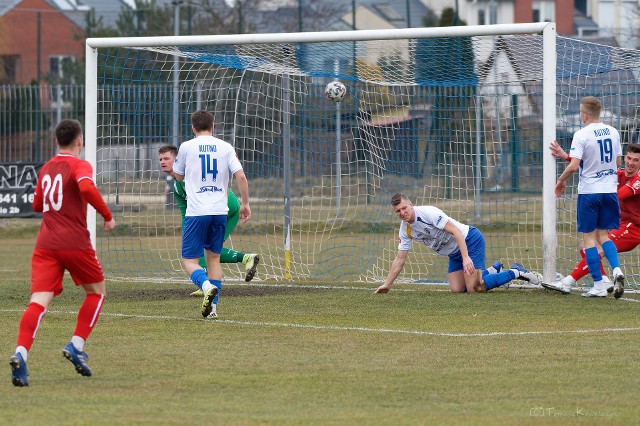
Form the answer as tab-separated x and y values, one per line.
476	249
202	232
598	211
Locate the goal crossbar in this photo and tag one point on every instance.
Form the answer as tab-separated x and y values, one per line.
321	36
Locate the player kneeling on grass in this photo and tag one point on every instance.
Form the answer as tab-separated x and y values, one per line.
463	244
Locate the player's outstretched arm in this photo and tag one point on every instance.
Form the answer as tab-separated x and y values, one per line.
396	268
557	151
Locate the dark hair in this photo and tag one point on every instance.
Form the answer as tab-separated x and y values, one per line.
633	147
398	198
67	131
168	148
202	120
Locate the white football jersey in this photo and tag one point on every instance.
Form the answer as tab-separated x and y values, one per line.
206	163
428	229
598	147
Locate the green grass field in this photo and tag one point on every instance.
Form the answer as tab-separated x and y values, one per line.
325	354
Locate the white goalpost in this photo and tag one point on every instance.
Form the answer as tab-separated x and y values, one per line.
457	117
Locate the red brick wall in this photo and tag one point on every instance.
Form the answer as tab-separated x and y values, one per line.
523	11
564	16
20	28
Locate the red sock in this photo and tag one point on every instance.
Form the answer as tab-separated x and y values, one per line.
88	314
29	324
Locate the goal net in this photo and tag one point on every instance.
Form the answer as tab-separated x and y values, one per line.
459	118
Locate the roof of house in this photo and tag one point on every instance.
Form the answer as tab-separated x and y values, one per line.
76	10
7	5
107	10
399	13
584	67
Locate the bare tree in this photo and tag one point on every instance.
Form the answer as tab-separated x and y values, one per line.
260	16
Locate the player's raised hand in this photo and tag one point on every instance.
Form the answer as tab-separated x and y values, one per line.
557	151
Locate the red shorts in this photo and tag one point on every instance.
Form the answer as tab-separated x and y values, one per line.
626	238
48	266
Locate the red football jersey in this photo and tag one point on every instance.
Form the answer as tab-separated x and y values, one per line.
630	207
64	211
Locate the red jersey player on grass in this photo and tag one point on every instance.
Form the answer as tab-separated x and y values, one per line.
627	237
65	186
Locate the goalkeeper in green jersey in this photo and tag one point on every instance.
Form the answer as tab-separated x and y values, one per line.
167	156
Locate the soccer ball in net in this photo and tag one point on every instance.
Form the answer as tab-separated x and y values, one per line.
335	91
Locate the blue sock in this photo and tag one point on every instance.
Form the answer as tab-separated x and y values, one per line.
484	273
611	253
593	261
198	277
218	284
496	280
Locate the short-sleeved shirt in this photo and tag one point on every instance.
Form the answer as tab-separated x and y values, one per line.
64	216
206	163
180	194
630	207
428	229
597	145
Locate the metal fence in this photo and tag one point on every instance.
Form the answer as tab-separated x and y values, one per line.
28	115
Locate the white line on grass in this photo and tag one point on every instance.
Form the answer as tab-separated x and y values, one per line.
344	328
332	287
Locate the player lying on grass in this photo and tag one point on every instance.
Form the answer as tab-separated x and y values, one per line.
463	244
65	186
628	236
250	260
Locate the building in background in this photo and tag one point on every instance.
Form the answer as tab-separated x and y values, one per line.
37	40
582	18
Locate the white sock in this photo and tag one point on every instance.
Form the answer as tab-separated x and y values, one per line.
492	270
206	286
568	280
617	271
606	280
517	272
78	343
22	351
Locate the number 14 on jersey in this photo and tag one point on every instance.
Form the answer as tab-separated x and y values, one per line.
208	165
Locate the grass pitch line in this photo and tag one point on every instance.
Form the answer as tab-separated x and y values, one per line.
322	287
345	328
423	333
